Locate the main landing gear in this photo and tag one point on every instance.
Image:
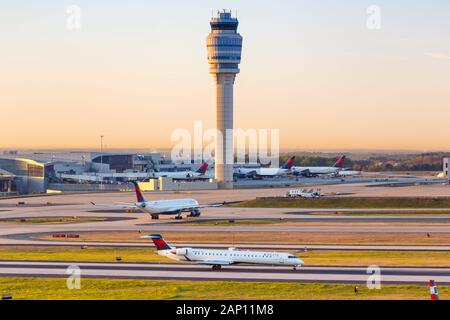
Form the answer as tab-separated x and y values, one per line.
178	217
216	267
155	216
294	268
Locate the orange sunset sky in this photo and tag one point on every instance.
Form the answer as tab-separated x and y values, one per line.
137	70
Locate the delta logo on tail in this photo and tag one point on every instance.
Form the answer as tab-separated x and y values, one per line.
202	169
340	162
289	163
139	196
159	242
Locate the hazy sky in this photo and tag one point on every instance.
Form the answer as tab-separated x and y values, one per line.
137	70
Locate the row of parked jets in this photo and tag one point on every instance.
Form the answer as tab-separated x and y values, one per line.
179	206
285	170
289	169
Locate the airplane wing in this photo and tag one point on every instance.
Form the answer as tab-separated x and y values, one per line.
214	205
178	209
220	262
251	173
116	205
174	210
246	172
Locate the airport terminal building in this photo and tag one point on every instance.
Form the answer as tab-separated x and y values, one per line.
35	172
7	182
21	176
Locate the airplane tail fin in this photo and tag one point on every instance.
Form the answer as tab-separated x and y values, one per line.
340	162
202	169
289	163
139	196
159	242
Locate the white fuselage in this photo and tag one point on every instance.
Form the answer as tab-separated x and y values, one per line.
346	173
231	256
262	171
168	206
315	170
182	175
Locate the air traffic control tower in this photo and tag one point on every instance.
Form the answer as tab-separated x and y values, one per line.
224	45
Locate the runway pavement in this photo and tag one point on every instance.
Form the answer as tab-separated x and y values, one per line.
235	273
22	235
79	205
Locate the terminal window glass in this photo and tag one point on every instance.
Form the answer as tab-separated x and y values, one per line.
35	171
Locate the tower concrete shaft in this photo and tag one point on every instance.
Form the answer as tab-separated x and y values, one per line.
224	55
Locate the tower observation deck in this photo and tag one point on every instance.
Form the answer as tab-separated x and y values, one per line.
224	46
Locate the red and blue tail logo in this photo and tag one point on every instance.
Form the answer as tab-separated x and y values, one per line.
289	163
139	196
203	168
340	162
159	242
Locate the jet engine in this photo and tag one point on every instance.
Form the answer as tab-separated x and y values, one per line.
182	251
195	213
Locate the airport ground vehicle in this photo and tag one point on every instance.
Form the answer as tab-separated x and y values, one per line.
299	193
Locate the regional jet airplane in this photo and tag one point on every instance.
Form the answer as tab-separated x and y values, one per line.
315	171
164	207
218	258
266	172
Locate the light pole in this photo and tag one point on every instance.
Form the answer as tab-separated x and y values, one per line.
101	162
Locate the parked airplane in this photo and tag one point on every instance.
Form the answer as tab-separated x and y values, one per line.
266	172
185	175
164	207
315	171
218	258
346	173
